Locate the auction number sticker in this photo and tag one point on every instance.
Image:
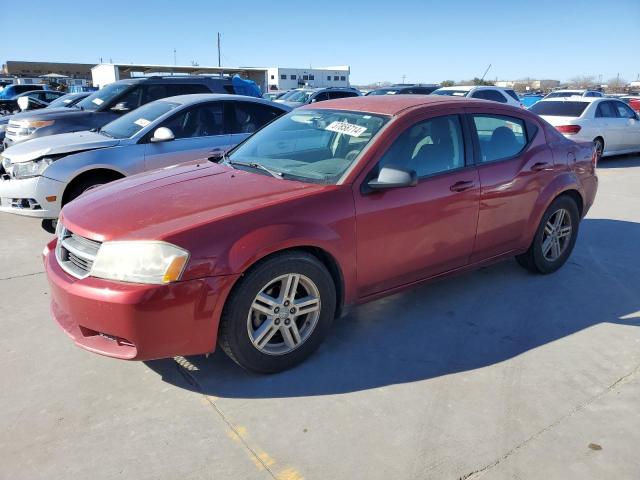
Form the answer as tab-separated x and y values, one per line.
98	101
143	122
346	128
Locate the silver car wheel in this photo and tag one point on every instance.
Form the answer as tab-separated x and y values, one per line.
556	235
284	314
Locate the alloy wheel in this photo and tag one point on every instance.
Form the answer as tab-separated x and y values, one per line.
556	235
284	314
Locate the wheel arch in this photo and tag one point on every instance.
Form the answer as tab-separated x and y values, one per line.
111	173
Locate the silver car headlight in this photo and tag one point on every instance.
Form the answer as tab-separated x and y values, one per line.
28	127
151	262
33	168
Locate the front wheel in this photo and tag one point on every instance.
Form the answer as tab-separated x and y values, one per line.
554	239
279	313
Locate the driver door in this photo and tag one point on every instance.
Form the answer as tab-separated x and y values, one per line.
199	133
409	234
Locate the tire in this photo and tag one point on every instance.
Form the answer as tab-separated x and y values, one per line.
245	319
84	185
541	256
49	225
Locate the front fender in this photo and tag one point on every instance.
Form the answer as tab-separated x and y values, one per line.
125	162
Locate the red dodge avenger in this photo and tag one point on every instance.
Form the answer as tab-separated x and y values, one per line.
332	205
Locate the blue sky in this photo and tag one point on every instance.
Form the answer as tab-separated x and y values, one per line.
424	40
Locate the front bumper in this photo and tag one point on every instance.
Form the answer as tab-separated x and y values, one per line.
133	321
27	196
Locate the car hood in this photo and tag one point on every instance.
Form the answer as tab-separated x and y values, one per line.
62	144
290	104
158	204
44	111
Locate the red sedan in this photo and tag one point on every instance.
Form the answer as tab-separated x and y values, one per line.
332	205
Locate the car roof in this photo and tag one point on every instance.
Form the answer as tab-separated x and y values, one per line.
204	97
576	99
395	104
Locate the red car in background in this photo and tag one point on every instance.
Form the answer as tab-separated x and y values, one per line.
332	205
633	102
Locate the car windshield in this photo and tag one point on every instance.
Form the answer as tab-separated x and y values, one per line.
286	95
131	123
63	101
383	91
301	96
311	145
564	94
559	109
451	93
105	94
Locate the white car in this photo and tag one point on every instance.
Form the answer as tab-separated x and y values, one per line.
574	93
495	94
610	124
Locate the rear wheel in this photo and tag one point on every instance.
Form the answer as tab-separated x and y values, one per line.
598	144
554	239
279	313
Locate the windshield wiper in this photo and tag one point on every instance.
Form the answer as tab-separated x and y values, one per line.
257	166
102	132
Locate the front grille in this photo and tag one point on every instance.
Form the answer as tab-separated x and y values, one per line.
75	253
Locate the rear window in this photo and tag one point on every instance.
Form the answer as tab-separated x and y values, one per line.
513	95
451	93
559	109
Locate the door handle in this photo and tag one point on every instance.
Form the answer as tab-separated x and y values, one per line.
462	186
541	166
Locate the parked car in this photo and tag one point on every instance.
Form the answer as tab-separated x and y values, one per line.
633	101
47	173
529	99
574	93
495	94
11	91
109	103
405	89
273	95
302	96
610	124
31	100
68	100
331	205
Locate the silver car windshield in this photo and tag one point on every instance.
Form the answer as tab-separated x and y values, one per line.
310	145
105	94
131	123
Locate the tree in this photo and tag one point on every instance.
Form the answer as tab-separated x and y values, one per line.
582	81
447	83
616	84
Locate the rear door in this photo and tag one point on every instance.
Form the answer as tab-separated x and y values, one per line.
631	128
408	234
199	133
610	126
244	118
514	163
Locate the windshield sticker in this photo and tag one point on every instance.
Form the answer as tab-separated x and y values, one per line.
98	101
346	128
143	122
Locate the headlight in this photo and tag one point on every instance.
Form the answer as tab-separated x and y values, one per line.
27	127
140	262
29	169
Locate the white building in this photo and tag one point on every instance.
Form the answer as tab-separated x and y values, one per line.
268	78
287	78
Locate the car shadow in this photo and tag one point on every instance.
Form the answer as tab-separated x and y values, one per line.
458	324
620	161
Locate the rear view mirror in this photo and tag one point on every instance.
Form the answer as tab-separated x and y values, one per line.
392	176
162	134
120	107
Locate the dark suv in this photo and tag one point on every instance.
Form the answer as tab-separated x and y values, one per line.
301	96
106	104
405	89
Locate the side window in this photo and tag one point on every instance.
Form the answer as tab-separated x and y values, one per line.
500	137
186	89
513	95
333	95
132	99
201	121
322	96
492	95
623	110
428	147
50	96
248	117
605	110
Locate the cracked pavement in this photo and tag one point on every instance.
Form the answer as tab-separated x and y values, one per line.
492	374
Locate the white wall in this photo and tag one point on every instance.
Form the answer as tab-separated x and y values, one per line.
104	74
313	77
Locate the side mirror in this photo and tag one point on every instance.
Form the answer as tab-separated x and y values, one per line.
120	107
392	176
162	134
23	103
